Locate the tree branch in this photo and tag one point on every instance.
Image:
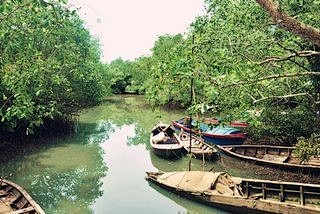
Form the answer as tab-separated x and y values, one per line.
289	23
282	97
275	76
285	48
300	65
297	54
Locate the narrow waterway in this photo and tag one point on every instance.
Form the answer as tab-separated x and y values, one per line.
101	168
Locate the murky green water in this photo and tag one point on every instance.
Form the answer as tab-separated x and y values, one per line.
101	168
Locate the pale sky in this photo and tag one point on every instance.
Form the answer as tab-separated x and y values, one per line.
129	28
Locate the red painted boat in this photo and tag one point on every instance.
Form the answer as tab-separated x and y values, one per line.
220	135
215	121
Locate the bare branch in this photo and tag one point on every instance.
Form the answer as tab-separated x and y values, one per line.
300	65
289	23
248	93
282	97
275	76
296	54
287	49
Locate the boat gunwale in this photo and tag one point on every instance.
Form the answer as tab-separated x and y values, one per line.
254	159
26	195
166	147
253	146
203	197
212	151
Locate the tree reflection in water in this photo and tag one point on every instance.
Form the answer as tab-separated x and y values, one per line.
64	175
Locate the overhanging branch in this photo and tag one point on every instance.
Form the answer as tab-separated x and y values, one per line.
282	97
275	76
289	23
296	54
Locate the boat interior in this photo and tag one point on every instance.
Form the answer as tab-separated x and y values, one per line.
12	200
277	154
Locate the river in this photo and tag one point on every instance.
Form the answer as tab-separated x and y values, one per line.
101	168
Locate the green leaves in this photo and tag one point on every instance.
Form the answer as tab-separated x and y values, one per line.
49	65
308	147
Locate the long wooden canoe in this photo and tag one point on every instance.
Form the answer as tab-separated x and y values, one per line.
165	142
277	156
199	148
15	200
241	195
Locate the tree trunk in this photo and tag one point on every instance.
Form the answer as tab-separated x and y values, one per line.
289	23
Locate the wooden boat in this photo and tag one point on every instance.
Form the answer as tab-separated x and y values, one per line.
241	195
165	142
199	148
279	156
15	200
219	135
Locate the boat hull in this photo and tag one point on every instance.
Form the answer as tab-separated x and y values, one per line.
212	201
199	148
171	147
230	139
168	153
223	141
14	199
275	156
253	203
207	156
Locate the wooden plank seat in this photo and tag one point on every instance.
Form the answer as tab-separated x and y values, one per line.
5	190
24	210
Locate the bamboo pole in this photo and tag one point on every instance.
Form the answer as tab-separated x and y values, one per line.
191	101
190	128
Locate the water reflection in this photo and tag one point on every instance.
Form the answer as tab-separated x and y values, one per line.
125	190
64	175
100	169
131	110
192	206
141	137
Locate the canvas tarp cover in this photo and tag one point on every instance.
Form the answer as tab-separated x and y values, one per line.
4	208
160	138
194	181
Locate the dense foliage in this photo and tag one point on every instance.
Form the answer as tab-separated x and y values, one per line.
244	65
49	64
307	148
120	74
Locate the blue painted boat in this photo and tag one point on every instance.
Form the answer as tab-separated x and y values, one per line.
220	135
